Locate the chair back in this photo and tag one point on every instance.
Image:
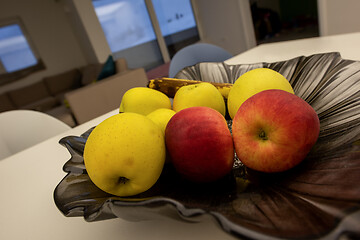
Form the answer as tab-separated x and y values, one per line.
196	53
96	99
21	129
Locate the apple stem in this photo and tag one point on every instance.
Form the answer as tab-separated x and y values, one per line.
263	135
123	180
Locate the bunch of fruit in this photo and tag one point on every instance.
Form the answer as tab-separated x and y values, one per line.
272	131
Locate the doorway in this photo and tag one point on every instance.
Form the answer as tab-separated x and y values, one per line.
283	20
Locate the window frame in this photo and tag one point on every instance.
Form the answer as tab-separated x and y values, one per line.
6	77
164	51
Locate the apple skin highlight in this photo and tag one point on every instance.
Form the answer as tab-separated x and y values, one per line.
200	144
274	130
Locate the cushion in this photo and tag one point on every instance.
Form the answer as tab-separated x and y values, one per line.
108	69
63	82
42	104
63	114
29	94
121	65
90	73
5	103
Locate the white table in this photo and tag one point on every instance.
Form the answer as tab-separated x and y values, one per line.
28	179
28	211
347	44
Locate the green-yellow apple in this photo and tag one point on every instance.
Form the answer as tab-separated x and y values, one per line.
124	155
200	144
201	94
274	130
161	117
143	100
252	82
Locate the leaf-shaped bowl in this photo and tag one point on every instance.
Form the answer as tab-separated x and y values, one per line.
320	198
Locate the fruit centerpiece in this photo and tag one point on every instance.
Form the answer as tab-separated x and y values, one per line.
255	153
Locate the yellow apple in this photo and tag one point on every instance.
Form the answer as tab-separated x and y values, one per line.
199	95
161	117
143	100
252	82
124	155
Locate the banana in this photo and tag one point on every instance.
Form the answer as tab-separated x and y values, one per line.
169	86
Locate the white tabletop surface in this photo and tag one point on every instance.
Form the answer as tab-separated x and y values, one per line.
28	211
28	179
347	44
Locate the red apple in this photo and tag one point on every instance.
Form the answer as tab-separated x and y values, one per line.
274	130
200	144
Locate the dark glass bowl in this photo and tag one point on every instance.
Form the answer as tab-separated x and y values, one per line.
320	198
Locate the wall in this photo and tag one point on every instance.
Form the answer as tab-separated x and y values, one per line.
227	24
88	30
336	17
50	31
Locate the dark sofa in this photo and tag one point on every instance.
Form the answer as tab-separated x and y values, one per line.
48	94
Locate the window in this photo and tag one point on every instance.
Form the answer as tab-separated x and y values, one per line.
177	23
125	23
174	16
132	32
17	56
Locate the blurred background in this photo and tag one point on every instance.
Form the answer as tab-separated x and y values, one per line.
39	38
